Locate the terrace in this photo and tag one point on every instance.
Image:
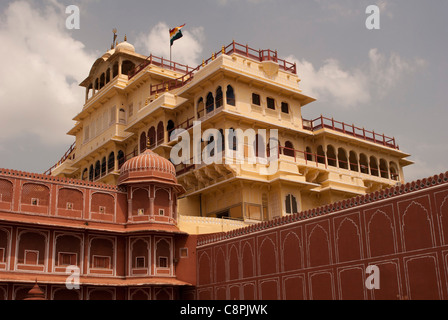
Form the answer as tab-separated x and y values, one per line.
349	129
234	47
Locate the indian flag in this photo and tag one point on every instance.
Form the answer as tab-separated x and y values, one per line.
176	33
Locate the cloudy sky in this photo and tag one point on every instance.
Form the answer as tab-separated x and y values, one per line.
393	80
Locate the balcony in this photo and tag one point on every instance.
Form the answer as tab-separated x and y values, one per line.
351	130
233	48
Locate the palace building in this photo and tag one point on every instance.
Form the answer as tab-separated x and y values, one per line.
131	98
118	218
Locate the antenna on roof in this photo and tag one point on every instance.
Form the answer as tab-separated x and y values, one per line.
115	37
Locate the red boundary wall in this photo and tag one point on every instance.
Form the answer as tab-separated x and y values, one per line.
322	254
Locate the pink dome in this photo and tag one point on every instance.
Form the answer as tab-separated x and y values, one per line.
147	167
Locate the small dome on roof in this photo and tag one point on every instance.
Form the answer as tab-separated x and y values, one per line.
146	167
125	45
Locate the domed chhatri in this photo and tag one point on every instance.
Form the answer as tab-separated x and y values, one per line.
148	167
125	46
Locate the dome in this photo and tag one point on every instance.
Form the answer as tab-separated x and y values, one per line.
108	54
148	167
125	46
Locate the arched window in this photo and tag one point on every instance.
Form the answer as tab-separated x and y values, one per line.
103	166
97	85
353	161
91	173
108	76
85	174
102	80
364	163
309	154
223	142
272	147
143	142
331	156
170	128
201	108
291	204
259	146
121	159
289	149
219	100
374	166
384	171
111	162
230	94
122	116
127	67
342	159
210	103
394	175
233	140
115	70
152	137
97	170
320	155
160	133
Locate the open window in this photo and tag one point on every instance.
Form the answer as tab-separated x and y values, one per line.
291	204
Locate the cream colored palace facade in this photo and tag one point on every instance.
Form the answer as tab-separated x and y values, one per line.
133	101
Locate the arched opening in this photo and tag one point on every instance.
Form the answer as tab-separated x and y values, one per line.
152	137
111	162
210	103
309	154
384	171
121	159
201	108
394	175
223	142
233	140
85	174
272	147
259	146
230	94
91	173
97	85
320	154
353	161
342	159
364	163
143	142
374	166
102	80
170	128
97	170
289	149
219	98
103	166
90	91
160	133
331	156
127	67
291	204
122	116
115	70
108	76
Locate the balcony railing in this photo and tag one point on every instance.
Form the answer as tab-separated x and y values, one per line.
63	159
234	47
350	129
160	62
